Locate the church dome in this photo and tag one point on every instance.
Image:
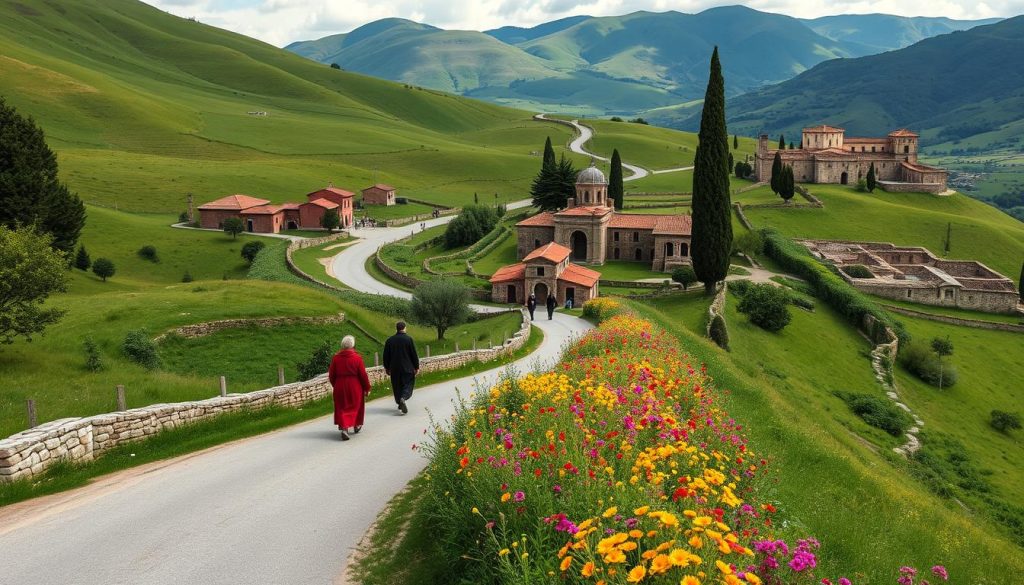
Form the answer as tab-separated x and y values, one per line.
591	176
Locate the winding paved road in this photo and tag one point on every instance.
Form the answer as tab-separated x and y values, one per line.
285	508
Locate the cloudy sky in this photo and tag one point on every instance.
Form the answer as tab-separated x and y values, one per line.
280	22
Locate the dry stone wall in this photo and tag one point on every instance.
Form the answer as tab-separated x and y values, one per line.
208	328
30	452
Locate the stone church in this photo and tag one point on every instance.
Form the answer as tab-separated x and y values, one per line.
826	155
587	231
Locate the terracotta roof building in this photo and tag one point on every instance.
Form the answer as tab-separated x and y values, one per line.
259	216
826	155
379	194
587	231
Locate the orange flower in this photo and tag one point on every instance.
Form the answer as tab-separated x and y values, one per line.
588	569
636	574
565	563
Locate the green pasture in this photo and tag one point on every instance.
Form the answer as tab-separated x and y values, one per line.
398	211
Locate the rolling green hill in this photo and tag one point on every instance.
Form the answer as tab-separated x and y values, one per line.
143	107
885	32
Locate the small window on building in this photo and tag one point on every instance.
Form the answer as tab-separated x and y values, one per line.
540	271
636	236
872	149
863	148
949	293
906	149
637	254
909	293
615	236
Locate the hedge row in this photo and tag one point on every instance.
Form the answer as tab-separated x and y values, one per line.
830	287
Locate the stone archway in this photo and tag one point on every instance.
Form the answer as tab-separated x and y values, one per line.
578	244
844	178
540	290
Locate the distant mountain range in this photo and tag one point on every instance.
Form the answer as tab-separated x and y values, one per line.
614	65
949	88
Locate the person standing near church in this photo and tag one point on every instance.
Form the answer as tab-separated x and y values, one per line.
531	305
401	364
551	304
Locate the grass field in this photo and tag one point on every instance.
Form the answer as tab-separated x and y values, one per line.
979	232
383	212
652	147
855	497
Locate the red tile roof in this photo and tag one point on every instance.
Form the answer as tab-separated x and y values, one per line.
822	129
334	190
325	203
380	186
552	252
289	205
675	225
234	203
920	167
577	274
636	221
541	219
903	132
584	211
262	210
510	272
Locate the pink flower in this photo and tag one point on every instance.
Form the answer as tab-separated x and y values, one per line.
940	571
519	496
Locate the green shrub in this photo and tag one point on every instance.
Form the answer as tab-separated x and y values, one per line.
858	271
862	185
187	277
251	249
148	252
1004	422
472	224
924	364
878	412
139	348
766	306
317	363
740	287
830	287
719	332
103	268
685	276
93	360
802	302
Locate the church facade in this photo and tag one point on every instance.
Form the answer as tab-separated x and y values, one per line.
827	155
589	231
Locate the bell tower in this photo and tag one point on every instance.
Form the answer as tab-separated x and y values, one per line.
591	187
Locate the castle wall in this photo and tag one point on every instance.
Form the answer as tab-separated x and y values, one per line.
900	187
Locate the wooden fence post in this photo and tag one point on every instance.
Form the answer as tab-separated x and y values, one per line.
376	359
280	375
223	386
428	351
30	405
122	403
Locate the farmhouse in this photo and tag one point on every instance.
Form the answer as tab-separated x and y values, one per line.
826	155
590	231
379	194
259	216
916	275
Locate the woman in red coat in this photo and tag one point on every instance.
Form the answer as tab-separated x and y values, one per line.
347	375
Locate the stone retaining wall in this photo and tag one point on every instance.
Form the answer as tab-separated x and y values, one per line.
30	452
413	282
958	320
716	307
742	216
638	284
204	329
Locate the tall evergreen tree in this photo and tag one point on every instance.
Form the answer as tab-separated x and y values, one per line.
872	181
730	162
782	142
30	192
787	185
735	142
712	213
82	260
776	173
616	190
553	185
791	145
549	154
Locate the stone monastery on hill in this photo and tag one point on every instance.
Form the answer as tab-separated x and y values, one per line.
827	156
587	231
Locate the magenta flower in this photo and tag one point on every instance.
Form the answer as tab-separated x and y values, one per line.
940	571
519	496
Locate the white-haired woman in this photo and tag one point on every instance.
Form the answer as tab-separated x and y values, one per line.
351	386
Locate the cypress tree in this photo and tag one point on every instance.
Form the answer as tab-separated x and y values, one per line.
616	191
787	186
712	219
549	154
30	191
791	145
776	173
735	142
82	260
782	142
872	182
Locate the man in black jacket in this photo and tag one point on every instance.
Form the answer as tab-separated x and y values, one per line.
531	305
552	302
402	364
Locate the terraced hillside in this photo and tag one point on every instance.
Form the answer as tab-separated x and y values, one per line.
143	107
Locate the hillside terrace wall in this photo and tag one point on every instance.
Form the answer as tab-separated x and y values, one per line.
204	329
31	452
898	187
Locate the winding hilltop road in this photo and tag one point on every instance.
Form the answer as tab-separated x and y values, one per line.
285	508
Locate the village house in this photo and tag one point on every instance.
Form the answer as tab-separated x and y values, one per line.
826	155
260	216
590	231
379	194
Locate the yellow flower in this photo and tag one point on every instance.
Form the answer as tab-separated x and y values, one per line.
475	510
724	568
641	510
679	557
506	497
702	521
690	580
636	533
660	564
566	562
525	554
588	569
752	578
636	574
610	512
503	552
615	556
628	546
696	542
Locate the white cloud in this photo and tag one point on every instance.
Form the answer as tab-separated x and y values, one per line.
280	22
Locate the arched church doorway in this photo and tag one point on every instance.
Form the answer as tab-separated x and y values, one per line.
540	290
578	243
844	178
